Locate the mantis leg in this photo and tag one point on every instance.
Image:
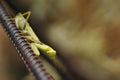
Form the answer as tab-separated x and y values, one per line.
27	36
47	49
35	49
28	13
11	19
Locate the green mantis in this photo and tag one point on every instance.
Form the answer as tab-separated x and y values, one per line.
30	36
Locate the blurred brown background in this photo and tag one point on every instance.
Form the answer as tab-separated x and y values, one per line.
85	33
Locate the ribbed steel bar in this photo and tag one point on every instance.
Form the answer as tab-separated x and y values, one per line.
33	63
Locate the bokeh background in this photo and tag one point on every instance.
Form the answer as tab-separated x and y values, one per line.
85	33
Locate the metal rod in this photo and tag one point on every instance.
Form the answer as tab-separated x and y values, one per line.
33	63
